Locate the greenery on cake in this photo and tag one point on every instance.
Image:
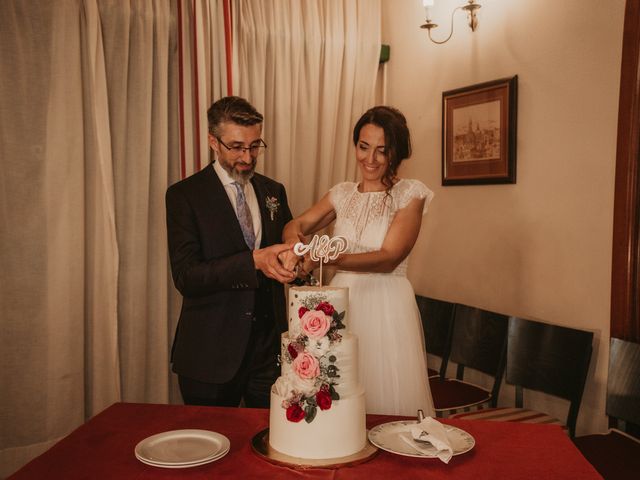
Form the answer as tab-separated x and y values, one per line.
314	373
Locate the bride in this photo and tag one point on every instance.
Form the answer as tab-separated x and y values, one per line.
381	217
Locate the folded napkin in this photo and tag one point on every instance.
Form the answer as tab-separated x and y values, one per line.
427	435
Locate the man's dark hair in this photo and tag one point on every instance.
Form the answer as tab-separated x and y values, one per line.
232	109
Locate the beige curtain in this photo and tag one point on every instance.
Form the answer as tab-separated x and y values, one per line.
310	67
140	71
88	142
204	73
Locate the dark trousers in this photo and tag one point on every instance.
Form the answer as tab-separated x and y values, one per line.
251	383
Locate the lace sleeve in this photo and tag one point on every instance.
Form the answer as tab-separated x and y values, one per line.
411	189
339	192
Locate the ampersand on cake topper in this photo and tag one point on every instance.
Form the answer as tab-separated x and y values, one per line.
322	249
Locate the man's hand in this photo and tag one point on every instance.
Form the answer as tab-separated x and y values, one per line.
266	260
289	260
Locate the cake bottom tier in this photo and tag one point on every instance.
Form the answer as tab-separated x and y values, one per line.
337	432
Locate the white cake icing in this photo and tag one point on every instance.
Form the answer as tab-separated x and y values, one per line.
317	404
334	433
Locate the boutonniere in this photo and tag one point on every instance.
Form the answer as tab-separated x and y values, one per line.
272	206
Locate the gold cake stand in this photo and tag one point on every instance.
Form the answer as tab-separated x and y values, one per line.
260	445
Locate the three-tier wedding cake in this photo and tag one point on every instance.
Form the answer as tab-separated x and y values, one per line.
317	404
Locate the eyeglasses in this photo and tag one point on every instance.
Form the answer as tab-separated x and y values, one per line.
254	150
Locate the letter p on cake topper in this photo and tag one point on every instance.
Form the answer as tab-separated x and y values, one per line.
322	249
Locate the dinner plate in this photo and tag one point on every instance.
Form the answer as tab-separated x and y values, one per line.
387	437
187	465
183	465
182	448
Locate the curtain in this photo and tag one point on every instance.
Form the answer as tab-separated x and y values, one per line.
203	75
102	106
310	67
88	142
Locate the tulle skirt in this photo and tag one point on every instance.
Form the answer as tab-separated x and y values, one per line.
392	358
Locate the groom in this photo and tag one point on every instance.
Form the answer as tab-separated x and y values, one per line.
224	226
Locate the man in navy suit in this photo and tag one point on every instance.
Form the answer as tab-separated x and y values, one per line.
224	226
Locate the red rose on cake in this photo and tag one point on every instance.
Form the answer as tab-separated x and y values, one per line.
326	307
295	413
293	351
323	399
306	365
315	323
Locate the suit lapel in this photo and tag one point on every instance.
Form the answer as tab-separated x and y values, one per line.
267	225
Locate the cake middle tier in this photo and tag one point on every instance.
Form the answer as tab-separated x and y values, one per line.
338	360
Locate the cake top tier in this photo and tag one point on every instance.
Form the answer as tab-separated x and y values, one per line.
315	311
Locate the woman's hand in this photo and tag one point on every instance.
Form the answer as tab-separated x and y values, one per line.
308	266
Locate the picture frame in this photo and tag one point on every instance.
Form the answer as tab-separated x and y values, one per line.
479	133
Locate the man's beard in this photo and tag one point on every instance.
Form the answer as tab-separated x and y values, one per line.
238	176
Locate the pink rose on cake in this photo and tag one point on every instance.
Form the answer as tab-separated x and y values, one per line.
306	366
315	324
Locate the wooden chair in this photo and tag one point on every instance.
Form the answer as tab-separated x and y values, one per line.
478	342
616	454
437	320
546	358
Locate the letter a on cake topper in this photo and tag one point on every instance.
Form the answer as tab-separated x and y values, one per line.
322	249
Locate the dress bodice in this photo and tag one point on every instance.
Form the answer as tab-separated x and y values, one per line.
365	218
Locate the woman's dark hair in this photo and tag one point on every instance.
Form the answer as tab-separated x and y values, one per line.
396	137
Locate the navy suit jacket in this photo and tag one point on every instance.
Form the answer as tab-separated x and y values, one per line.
213	269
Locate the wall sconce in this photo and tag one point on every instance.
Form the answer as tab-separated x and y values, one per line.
470	7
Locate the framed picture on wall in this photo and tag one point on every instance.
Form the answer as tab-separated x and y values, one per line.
479	133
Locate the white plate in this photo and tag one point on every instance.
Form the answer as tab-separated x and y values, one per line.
188	465
386	437
182	448
183	465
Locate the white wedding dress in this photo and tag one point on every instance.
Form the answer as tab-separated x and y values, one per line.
382	307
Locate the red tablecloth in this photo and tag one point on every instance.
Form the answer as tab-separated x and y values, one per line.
104	448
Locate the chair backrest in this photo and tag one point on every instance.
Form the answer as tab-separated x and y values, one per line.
479	341
550	359
437	322
623	384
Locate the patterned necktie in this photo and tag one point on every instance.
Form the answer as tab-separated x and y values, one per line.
244	216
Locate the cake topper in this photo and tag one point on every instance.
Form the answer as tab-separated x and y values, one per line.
322	249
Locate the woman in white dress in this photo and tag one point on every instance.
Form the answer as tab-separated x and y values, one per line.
381	217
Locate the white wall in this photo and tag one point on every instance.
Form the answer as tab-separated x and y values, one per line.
540	248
